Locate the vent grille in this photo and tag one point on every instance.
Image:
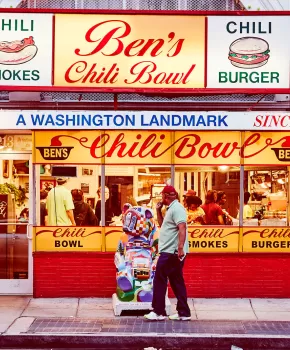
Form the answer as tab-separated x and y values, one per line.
173	5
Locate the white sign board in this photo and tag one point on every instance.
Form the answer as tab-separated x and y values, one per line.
25	49
146	120
248	52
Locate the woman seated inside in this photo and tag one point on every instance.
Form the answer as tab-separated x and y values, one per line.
195	214
24	215
213	212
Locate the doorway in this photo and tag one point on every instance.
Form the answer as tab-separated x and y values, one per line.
16	187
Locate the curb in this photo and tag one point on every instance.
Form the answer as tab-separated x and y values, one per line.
138	341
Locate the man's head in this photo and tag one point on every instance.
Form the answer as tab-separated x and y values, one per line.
221	197
107	192
43	194
169	194
187	194
193	202
190	193
61	180
77	194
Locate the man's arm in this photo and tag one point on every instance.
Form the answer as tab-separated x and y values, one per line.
46	218
221	220
70	214
159	213
181	239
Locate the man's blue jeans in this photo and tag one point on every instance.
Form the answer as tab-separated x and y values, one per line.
169	267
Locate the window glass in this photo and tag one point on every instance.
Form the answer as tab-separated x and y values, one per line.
134	185
267	189
223	181
82	190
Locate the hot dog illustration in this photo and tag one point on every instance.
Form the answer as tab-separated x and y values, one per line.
17	51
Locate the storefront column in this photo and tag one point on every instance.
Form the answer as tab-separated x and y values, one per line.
103	184
196	187
202	184
188	180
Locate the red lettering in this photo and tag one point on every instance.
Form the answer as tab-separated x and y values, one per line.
78	67
258	120
211	233
68	232
178	48
154	52
135	70
98	143
133	45
107	38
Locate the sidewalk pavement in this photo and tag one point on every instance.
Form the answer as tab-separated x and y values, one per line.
90	322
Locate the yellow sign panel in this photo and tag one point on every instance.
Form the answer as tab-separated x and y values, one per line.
68	147
213	239
207	147
67	238
113	236
266	148
131	147
270	239
129	51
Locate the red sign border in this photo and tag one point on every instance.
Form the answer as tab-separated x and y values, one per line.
168	91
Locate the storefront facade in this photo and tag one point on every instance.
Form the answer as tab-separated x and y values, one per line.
133	154
224	261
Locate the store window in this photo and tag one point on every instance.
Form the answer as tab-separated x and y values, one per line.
266	202
197	181
134	185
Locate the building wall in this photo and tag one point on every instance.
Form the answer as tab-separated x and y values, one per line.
206	275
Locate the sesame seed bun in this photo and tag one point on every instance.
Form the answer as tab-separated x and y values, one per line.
249	45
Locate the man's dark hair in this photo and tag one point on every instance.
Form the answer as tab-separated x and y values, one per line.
247	196
220	195
193	200
43	194
77	194
210	196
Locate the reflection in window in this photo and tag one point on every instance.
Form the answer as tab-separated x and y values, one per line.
222	181
268	189
136	185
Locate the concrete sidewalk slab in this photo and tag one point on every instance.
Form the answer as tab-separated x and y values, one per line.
216	324
218	304
14	301
21	325
273	315
225	315
52	307
271	304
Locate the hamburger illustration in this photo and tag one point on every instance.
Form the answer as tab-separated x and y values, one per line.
249	52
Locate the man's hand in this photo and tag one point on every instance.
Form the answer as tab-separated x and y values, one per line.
159	205
181	254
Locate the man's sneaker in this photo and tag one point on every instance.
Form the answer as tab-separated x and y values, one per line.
152	316
176	317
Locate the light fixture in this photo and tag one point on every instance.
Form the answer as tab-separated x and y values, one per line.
223	168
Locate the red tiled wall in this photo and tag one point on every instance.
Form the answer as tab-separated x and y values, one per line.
75	274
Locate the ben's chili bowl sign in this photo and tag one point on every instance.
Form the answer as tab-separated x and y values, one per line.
270	239
213	239
129	51
159	147
68	238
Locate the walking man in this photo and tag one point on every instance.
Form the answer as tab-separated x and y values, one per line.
173	246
